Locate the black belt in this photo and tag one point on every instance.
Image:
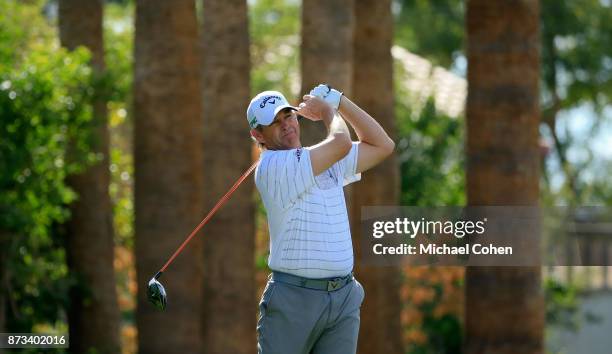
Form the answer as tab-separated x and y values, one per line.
328	284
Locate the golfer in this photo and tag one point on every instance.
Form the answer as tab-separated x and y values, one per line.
312	301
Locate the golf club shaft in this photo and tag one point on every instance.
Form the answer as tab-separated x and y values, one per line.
207	217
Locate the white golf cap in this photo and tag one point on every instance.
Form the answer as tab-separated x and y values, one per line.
264	107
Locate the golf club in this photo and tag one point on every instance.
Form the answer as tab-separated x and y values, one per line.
155	290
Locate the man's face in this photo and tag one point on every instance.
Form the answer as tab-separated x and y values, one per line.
282	134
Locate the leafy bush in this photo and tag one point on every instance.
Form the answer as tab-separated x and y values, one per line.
44	117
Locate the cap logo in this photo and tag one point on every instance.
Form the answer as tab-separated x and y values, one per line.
253	122
271	99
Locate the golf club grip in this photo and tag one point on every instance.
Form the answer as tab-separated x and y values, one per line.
210	214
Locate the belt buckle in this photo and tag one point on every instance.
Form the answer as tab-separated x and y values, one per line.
334	284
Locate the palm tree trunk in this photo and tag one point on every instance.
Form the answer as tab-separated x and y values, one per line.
326	53
504	307
168	172
94	312
229	244
373	91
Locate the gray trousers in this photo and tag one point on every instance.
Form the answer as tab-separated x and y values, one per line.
296	320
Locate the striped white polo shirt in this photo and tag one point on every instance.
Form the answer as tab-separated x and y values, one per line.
307	216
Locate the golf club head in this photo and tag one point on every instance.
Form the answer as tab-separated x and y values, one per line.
156	294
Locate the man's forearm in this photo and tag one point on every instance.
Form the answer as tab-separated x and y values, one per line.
337	125
367	128
338	141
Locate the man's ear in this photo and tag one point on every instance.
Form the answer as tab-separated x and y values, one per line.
256	134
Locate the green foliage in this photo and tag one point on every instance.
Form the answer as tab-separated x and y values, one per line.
430	144
430	151
561	304
44	119
443	330
432	29
443	333
576	66
118	46
601	189
41	105
118	42
274	29
576	61
22	27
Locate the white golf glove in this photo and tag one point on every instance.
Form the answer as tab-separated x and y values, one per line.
330	95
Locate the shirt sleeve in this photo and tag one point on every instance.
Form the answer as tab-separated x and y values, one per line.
348	165
285	175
